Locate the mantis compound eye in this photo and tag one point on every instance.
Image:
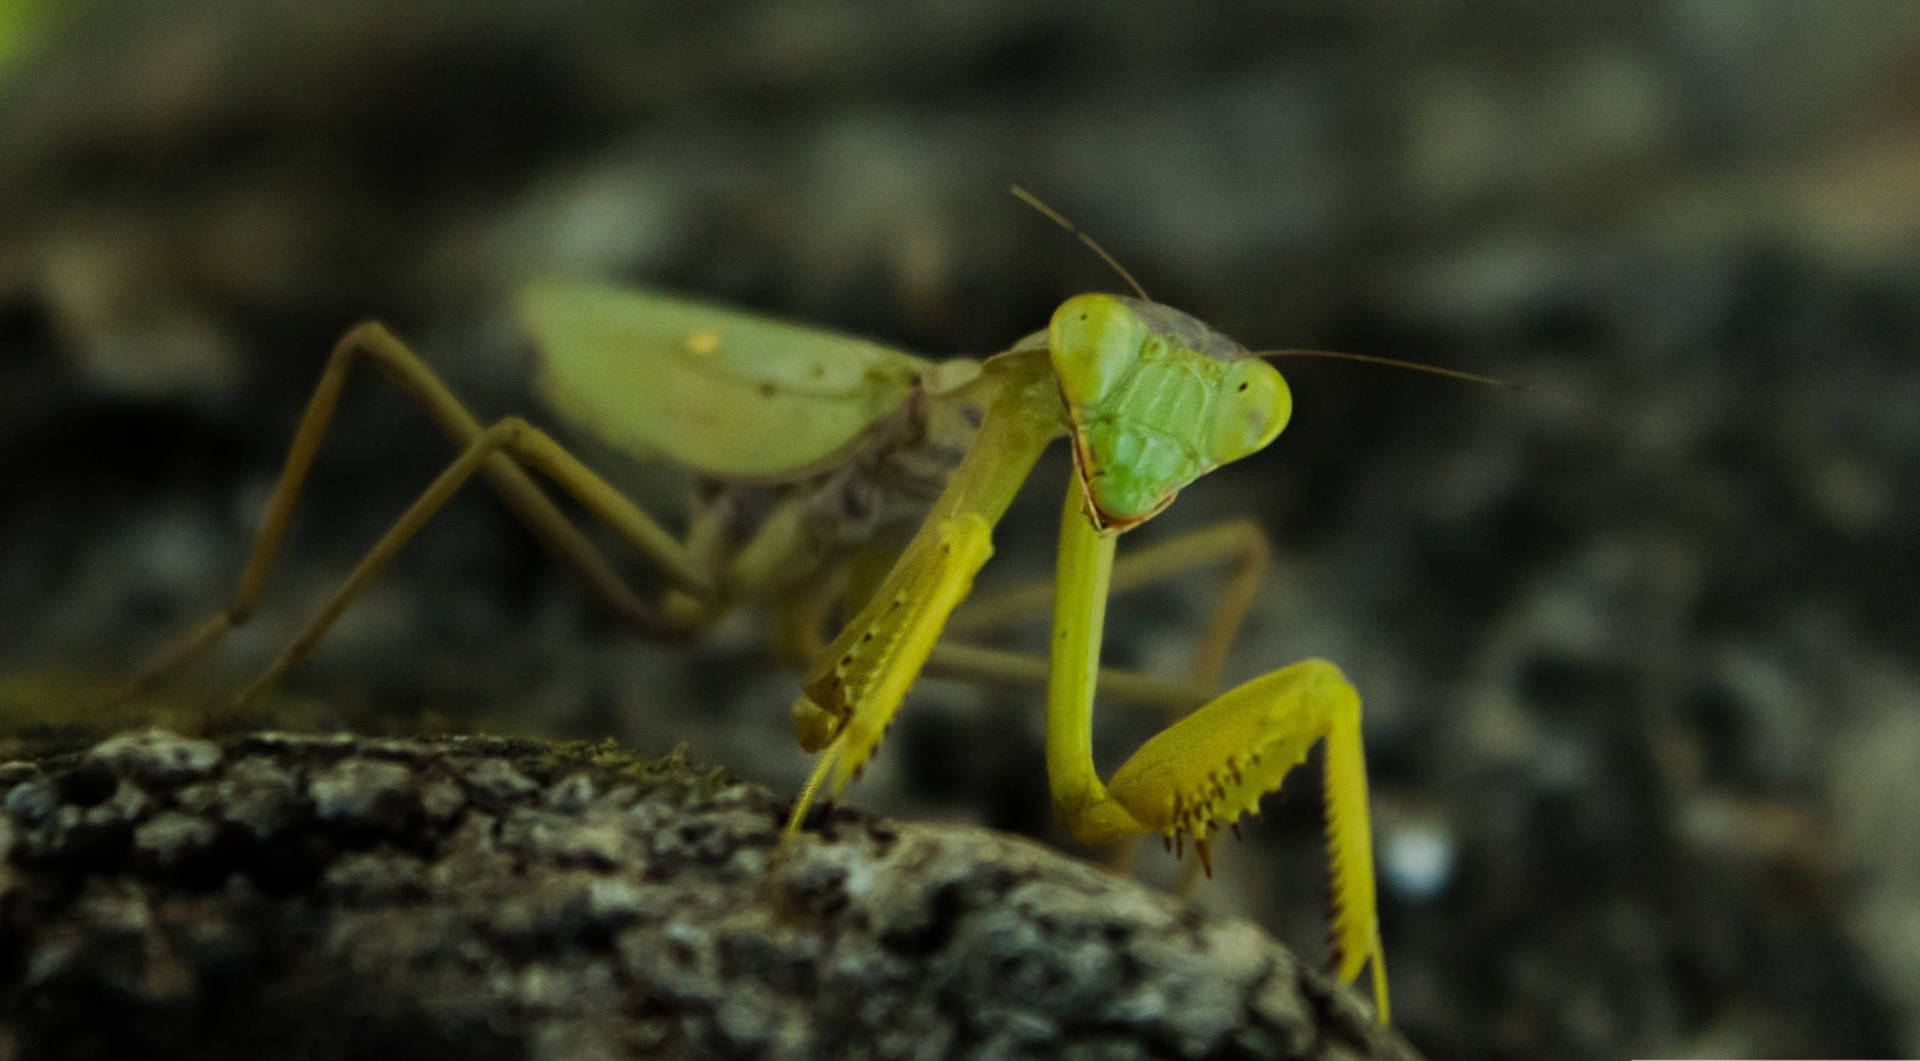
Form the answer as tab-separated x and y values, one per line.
1095	342
1254	405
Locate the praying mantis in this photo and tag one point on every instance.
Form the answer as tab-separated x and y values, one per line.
817	444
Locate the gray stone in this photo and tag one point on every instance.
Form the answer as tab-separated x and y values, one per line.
564	927
158	757
364	792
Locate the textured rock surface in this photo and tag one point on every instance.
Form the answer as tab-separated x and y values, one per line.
334	897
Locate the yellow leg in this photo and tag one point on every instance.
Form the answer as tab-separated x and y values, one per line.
1237	543
851	697
800	616
1000	666
527	500
1206	770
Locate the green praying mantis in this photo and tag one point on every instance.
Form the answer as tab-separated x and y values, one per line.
819	444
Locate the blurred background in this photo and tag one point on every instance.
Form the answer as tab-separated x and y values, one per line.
1638	647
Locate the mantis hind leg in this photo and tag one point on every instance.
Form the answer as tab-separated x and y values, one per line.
508	439
523	496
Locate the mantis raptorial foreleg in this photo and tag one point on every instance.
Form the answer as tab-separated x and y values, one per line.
1238	543
1207	769
525	497
851	696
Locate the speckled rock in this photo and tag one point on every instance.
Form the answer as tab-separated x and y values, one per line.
489	898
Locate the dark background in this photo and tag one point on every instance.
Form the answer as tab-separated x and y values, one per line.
1643	705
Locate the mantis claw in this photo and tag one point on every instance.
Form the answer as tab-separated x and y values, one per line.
1213	766
1205	771
849	704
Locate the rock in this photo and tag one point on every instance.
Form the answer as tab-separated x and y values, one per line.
482	898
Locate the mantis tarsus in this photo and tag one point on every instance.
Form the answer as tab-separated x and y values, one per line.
821	442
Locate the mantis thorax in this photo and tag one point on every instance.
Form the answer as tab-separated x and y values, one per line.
1155	399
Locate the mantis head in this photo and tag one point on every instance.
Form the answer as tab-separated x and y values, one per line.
1155	399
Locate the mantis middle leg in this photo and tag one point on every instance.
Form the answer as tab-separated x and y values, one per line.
1238	543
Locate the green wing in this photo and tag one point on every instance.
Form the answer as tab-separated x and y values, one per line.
729	394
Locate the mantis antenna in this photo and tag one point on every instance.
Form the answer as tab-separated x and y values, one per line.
1057	218
1394	362
1060	219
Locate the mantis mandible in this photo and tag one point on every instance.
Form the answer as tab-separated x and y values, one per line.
818	443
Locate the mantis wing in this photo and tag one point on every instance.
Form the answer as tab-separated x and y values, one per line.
730	394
